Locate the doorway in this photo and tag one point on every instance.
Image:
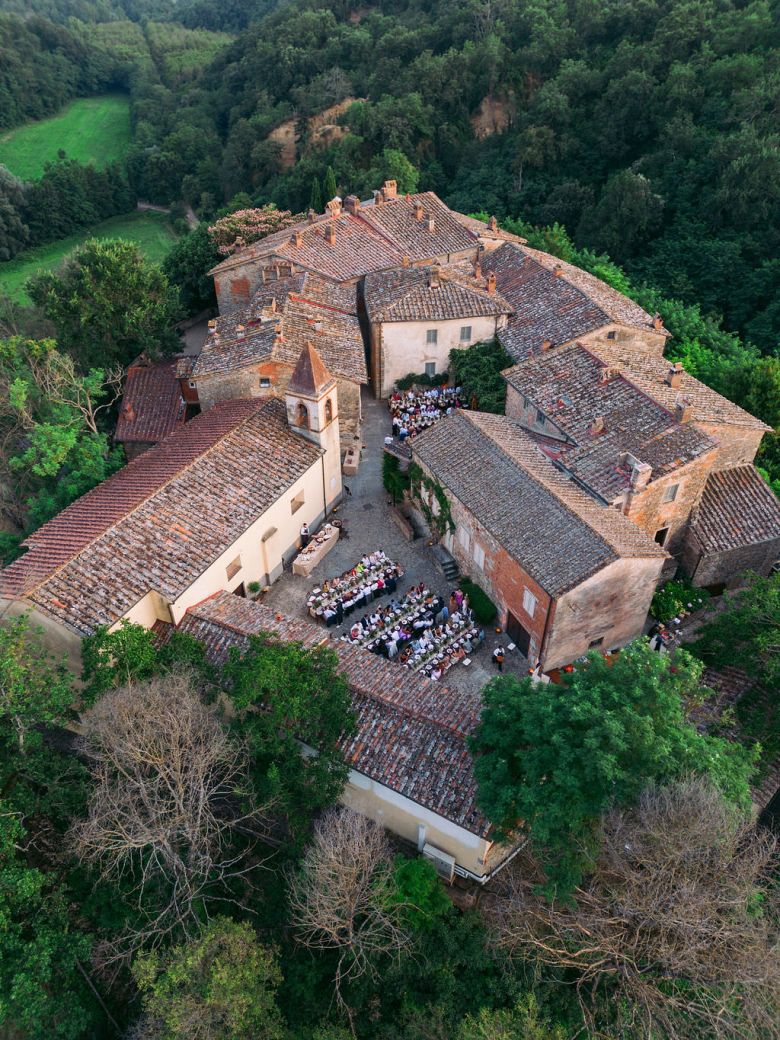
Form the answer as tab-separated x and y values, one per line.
239	590
519	636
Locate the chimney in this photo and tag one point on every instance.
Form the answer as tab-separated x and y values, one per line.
597	426
333	208
674	375
658	321
431	224
240	330
212	323
405	260
297	239
352	204
390	190
378	197
330	234
129	412
434	281
683	411
477	269
418	211
490	283
279	338
547	344
606	373
311	216
640	472
558	271
492	224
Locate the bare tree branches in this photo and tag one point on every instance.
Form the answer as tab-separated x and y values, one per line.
676	933
56	377
164	809
343	897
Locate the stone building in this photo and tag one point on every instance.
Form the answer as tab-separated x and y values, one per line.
566	572
643	436
216	505
153	405
252	352
410	767
555	303
346	242
417	315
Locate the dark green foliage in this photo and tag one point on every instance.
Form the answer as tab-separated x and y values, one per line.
187	266
421	379
395	482
14	233
478	371
315	199
108	304
558	756
483	606
284	695
330	188
676	597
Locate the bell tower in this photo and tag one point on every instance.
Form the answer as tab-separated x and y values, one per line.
312	412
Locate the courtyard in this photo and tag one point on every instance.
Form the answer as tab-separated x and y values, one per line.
366	515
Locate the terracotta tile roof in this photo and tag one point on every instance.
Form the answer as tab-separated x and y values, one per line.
309	376
430	294
558	533
152	405
161	521
299	309
378	236
567	384
483	229
649	374
737	508
410	731
559	308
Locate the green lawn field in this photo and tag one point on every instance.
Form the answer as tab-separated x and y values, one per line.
151	232
93	129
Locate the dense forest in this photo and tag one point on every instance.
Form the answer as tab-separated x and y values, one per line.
649	130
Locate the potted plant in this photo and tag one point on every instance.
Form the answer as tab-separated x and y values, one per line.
253	588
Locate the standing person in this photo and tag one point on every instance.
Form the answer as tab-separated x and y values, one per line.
498	658
305	536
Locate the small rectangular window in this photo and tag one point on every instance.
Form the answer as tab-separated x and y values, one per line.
612	335
193	384
539	416
296	502
465	334
430	368
670	492
233	567
265	382
529	602
596	642
432	336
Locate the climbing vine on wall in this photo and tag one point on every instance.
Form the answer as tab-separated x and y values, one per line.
440	521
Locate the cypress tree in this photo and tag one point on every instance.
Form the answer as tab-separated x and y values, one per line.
315	201
331	188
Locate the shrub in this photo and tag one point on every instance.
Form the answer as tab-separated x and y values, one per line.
483	606
675	597
478	370
421	379
394	480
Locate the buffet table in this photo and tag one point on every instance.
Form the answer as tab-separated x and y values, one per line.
316	551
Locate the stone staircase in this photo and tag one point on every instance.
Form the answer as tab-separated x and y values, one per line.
446	563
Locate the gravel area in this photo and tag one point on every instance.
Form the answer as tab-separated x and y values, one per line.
368	525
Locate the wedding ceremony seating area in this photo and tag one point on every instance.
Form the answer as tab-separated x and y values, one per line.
373	576
413	411
420	631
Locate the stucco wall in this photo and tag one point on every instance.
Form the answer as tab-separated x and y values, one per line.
59	640
737	445
401	347
404	817
612	605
